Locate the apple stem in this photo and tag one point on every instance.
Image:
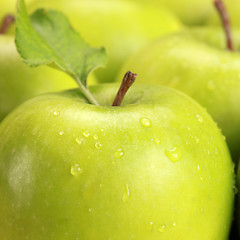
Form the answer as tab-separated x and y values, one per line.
6	23
225	22
127	82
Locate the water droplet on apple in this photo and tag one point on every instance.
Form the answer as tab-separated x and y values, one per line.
95	137
61	133
150	226
188	128
56	113
145	122
201	178
79	140
198	167
196	140
174	224
174	154
162	228
199	118
86	134
76	170
90	209
126	193
119	153
98	145
157	140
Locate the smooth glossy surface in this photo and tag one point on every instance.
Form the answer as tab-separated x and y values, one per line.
61	186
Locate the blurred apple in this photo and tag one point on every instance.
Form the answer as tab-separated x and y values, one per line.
122	27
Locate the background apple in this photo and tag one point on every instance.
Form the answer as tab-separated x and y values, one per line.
197	63
144	170
122	27
9	6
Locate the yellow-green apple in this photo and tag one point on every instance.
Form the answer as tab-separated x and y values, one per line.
197	63
72	166
122	27
143	170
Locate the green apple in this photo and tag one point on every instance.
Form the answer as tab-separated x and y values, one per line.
156	167
198	64
122	27
72	166
9	6
190	12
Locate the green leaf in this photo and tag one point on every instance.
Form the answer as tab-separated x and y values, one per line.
47	38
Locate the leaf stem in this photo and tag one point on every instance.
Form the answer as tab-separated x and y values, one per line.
127	82
88	95
6	23
225	22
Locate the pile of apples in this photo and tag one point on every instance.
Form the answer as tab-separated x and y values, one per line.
155	160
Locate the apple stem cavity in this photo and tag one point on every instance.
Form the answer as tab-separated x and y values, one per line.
225	22
6	23
127	82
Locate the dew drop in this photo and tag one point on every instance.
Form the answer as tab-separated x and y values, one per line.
90	210
157	140
56	113
86	134
119	153
196	140
95	137
98	145
79	140
150	226
174	224
61	133
198	167
145	122
126	193
174	154
199	118
162	228
201	178
76	170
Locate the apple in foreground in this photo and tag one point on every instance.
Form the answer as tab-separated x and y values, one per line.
155	167
197	63
122	27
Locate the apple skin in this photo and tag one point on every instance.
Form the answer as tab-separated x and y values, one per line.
9	6
197	63
71	170
16	84
121	27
